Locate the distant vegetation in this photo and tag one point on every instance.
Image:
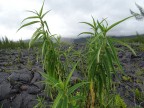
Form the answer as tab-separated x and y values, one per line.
6	43
136	39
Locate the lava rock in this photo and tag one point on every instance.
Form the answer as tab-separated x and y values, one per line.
5	103
17	102
40	85
141	64
37	77
32	103
27	98
3	76
33	89
5	89
23	75
142	104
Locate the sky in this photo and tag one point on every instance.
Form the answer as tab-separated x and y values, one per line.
65	16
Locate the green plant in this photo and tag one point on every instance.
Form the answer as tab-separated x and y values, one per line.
29	63
140	72
41	103
102	59
126	78
137	94
56	78
141	47
65	97
120	102
50	51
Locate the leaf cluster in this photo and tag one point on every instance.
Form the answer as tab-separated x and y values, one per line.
101	59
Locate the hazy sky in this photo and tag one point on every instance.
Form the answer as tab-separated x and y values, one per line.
65	16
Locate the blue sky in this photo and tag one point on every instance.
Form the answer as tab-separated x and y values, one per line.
65	16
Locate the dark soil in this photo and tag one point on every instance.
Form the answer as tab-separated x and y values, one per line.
20	78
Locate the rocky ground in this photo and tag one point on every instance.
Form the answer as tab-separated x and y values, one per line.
131	85
20	78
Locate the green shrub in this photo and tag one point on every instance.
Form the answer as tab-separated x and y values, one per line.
102	61
100	57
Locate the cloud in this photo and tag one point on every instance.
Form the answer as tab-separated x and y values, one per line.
74	11
66	14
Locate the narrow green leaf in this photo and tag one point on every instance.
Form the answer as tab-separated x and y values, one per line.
95	39
35	12
27	24
57	100
115	54
88	24
113	25
103	20
89	33
101	27
47	27
106	22
76	98
50	79
58	86
33	36
104	74
43	48
45	14
34	39
70	74
41	10
91	61
110	60
65	102
124	44
108	76
94	23
100	86
32	17
98	53
111	100
76	86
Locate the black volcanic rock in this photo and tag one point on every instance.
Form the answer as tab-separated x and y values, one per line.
5	89
23	76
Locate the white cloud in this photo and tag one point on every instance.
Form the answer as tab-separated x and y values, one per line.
66	14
